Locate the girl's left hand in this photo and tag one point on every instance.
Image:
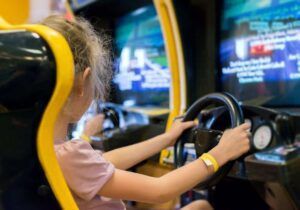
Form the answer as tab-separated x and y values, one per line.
177	129
93	125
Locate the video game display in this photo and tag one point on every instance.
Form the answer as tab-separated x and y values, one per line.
259	51
142	76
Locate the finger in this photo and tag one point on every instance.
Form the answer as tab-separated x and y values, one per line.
178	118
100	115
244	126
188	124
249	134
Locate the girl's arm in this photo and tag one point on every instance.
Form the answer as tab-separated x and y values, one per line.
126	157
137	187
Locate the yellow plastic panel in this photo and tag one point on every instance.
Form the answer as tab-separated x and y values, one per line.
15	11
166	13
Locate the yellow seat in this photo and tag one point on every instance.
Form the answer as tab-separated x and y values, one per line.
36	76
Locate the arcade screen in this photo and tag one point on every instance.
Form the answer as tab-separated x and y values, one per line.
142	76
260	51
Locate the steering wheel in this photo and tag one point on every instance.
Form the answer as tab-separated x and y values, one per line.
205	139
113	115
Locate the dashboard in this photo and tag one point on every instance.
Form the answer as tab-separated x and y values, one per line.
272	165
274	137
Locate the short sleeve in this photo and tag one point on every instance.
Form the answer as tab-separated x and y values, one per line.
84	169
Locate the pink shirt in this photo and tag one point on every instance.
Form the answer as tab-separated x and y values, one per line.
86	171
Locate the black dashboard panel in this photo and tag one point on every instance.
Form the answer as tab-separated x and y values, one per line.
218	119
123	127
275	166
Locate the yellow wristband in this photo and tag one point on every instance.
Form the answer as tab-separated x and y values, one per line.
209	160
85	138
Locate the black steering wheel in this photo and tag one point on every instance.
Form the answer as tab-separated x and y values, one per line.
113	114
205	139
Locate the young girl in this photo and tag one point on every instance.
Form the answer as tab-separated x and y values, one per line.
100	181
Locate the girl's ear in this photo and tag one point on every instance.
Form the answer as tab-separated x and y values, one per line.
84	80
86	74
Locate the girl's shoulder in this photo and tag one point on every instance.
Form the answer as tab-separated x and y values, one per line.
73	144
84	168
77	149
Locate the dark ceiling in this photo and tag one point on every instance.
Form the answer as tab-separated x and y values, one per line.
111	8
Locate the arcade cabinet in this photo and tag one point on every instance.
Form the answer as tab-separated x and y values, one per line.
256	64
258	58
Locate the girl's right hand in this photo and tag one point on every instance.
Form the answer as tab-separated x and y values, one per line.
232	145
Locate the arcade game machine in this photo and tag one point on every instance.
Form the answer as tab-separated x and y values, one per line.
148	88
258	73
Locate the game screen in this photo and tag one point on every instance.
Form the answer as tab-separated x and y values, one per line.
259	51
142	76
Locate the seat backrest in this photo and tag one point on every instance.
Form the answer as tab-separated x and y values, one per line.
30	83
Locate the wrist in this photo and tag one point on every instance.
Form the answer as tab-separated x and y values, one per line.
168	139
87	132
220	156
210	161
85	137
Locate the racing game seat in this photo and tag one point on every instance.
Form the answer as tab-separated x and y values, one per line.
36	76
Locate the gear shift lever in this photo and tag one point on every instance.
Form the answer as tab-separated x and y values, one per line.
285	128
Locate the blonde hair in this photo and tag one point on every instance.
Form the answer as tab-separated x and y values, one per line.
89	50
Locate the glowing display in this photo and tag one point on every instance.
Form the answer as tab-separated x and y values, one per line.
260	51
142	77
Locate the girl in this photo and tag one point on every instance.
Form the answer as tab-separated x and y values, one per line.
100	181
